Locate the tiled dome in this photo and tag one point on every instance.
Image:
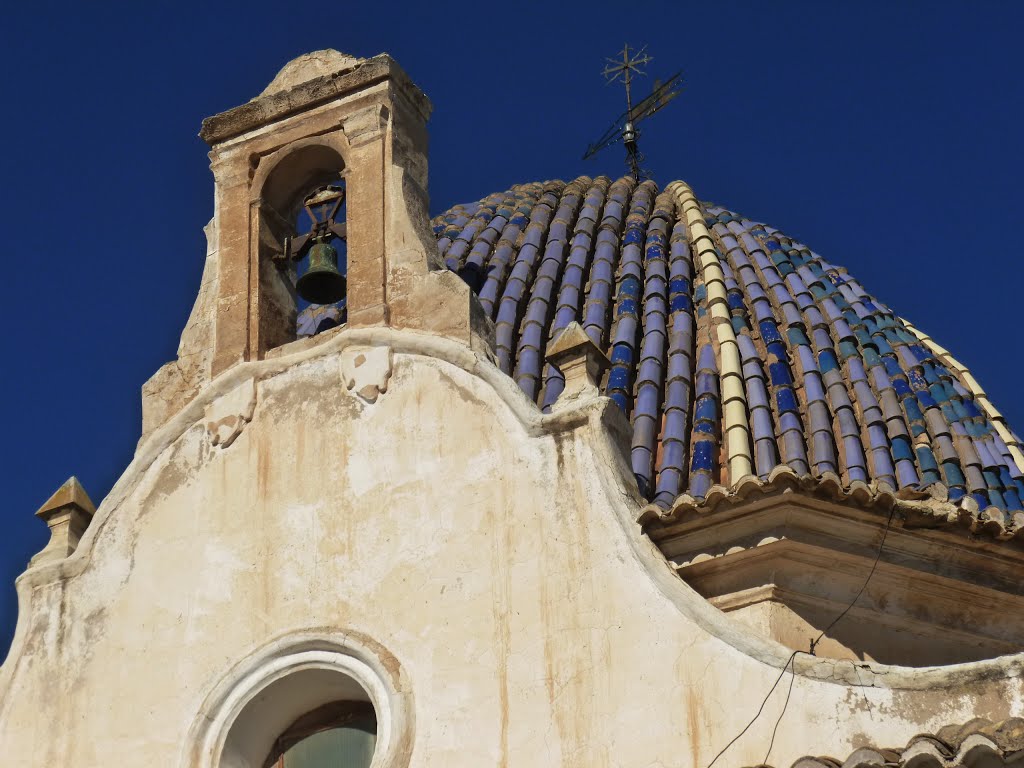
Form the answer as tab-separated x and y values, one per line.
735	349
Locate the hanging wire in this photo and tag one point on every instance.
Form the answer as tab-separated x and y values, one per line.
792	679
874	565
809	652
760	709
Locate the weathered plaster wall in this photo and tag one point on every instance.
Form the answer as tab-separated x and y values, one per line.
489	550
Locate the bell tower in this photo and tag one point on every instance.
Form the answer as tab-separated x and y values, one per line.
328	121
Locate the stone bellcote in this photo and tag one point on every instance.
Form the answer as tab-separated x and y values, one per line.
325	118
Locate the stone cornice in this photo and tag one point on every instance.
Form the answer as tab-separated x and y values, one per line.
276	106
916	508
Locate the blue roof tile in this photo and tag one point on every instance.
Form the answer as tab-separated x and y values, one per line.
616	257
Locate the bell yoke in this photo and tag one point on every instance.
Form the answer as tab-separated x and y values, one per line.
322	282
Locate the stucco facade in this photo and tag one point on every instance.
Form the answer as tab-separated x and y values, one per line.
380	513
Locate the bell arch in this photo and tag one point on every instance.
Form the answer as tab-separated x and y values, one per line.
301	165
281	186
297	687
367	121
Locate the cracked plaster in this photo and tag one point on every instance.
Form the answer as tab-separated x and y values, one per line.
536	623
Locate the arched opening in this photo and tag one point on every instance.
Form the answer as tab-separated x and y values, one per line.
334	695
302	189
311	717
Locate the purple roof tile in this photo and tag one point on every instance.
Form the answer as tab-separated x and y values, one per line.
834	381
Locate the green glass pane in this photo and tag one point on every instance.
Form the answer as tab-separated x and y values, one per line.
344	747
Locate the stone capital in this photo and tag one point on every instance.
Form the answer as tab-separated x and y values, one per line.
365	125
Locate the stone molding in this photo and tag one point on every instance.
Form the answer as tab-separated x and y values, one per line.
799	570
276	106
605	427
349	653
364	125
693	536
918	508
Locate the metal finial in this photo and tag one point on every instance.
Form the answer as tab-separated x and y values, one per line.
624	68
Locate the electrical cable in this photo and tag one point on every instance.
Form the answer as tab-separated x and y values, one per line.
874	565
792	679
759	711
813	645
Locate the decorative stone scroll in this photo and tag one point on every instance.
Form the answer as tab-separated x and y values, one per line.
366	370
227	416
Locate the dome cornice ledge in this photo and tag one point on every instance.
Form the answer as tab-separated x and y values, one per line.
854	674
929	509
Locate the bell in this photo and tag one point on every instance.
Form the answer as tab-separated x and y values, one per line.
322	283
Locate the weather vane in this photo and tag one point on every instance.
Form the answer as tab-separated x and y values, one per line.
624	129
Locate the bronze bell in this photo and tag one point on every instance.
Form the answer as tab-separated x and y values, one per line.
322	283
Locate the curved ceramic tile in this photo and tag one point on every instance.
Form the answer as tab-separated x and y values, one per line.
735	349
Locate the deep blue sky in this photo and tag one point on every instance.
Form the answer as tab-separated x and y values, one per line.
885	135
